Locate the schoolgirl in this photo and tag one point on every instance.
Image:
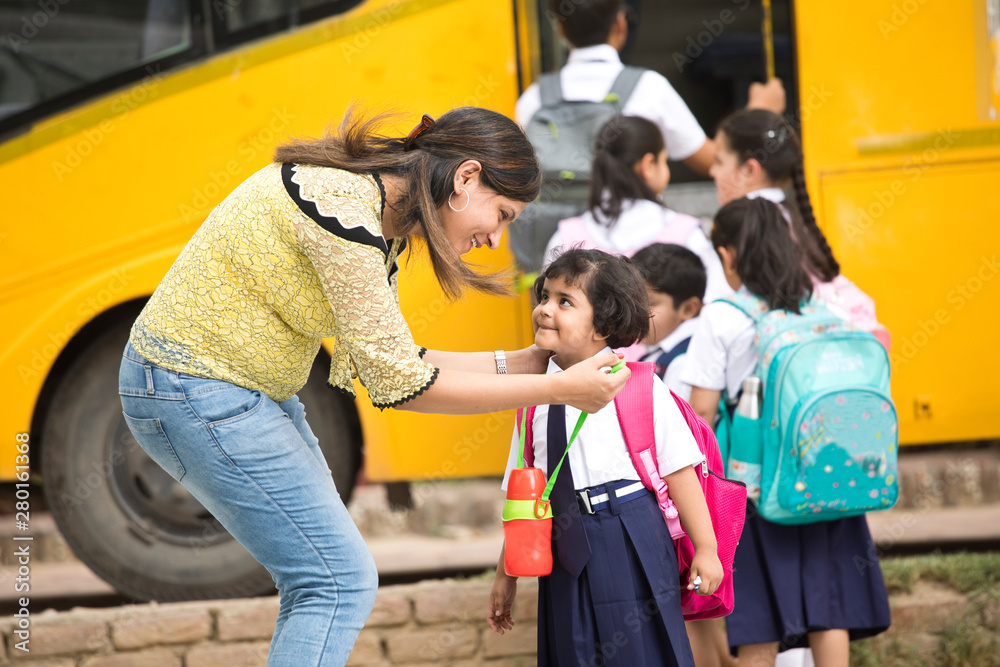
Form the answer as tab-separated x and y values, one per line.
795	585
613	597
758	154
626	214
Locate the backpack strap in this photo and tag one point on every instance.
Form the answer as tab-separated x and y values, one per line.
747	303
664	360
678	229
529	448
624	85
634	405
550	89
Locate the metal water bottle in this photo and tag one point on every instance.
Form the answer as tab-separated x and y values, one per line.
749	405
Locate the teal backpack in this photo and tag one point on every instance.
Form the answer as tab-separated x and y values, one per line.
824	444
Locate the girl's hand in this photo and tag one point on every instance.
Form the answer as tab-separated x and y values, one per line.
705	564
501	601
586	387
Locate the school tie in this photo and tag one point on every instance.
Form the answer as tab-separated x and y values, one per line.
570	539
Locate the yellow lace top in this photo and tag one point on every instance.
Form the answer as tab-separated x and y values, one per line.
294	255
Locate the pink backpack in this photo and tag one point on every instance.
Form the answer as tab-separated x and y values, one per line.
573	232
726	499
858	308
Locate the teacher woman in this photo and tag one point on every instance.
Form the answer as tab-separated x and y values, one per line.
307	249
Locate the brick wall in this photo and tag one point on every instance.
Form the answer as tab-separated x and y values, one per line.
438	623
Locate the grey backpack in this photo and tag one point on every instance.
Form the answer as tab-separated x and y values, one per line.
563	134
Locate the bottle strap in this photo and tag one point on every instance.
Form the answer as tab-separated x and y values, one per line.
554	473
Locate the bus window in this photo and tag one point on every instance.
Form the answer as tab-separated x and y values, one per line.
51	51
241	20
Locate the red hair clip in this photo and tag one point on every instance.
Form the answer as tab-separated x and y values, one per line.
424	124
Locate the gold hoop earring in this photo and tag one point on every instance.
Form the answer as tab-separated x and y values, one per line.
467	200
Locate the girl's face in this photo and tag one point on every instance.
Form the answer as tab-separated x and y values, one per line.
653	169
732	179
564	323
480	214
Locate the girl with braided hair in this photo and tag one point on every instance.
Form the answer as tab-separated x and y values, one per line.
759	154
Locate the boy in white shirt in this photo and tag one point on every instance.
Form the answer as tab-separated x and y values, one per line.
597	30
675	284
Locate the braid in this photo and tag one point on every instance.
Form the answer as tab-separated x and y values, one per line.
826	264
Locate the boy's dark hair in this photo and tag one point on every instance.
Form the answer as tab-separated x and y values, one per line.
586	22
614	288
622	142
673	270
768	260
772	141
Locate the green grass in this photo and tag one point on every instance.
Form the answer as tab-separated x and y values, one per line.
972	640
965	572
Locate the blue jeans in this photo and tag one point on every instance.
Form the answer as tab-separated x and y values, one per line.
257	467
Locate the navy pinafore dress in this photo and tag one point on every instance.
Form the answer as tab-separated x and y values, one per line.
624	608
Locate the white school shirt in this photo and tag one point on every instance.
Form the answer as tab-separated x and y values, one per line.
599	453
638	225
722	351
588	76
673	375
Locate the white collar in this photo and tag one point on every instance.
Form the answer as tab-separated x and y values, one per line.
777	195
555	368
598	52
684	330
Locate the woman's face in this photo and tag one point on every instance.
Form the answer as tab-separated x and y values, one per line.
732	179
477	215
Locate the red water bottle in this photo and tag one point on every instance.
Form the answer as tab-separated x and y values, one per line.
527	525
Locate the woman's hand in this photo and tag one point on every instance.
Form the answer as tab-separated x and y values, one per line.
501	601
533	360
586	387
705	564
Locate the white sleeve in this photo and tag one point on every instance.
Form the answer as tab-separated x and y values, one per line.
716	286
675	444
655	99
706	364
554	243
672	377
515	443
528	104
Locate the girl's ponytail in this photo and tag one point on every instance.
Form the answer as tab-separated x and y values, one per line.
768	261
621	144
772	141
819	251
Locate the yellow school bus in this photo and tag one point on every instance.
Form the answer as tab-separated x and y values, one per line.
123	123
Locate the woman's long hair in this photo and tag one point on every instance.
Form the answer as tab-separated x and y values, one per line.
428	164
772	141
622	142
768	260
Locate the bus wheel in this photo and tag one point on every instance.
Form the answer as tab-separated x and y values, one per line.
125	517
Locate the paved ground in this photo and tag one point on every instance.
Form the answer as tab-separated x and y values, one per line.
469	548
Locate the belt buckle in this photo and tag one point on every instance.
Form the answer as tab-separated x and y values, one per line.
585	499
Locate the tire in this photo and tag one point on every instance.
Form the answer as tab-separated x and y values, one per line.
125	517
